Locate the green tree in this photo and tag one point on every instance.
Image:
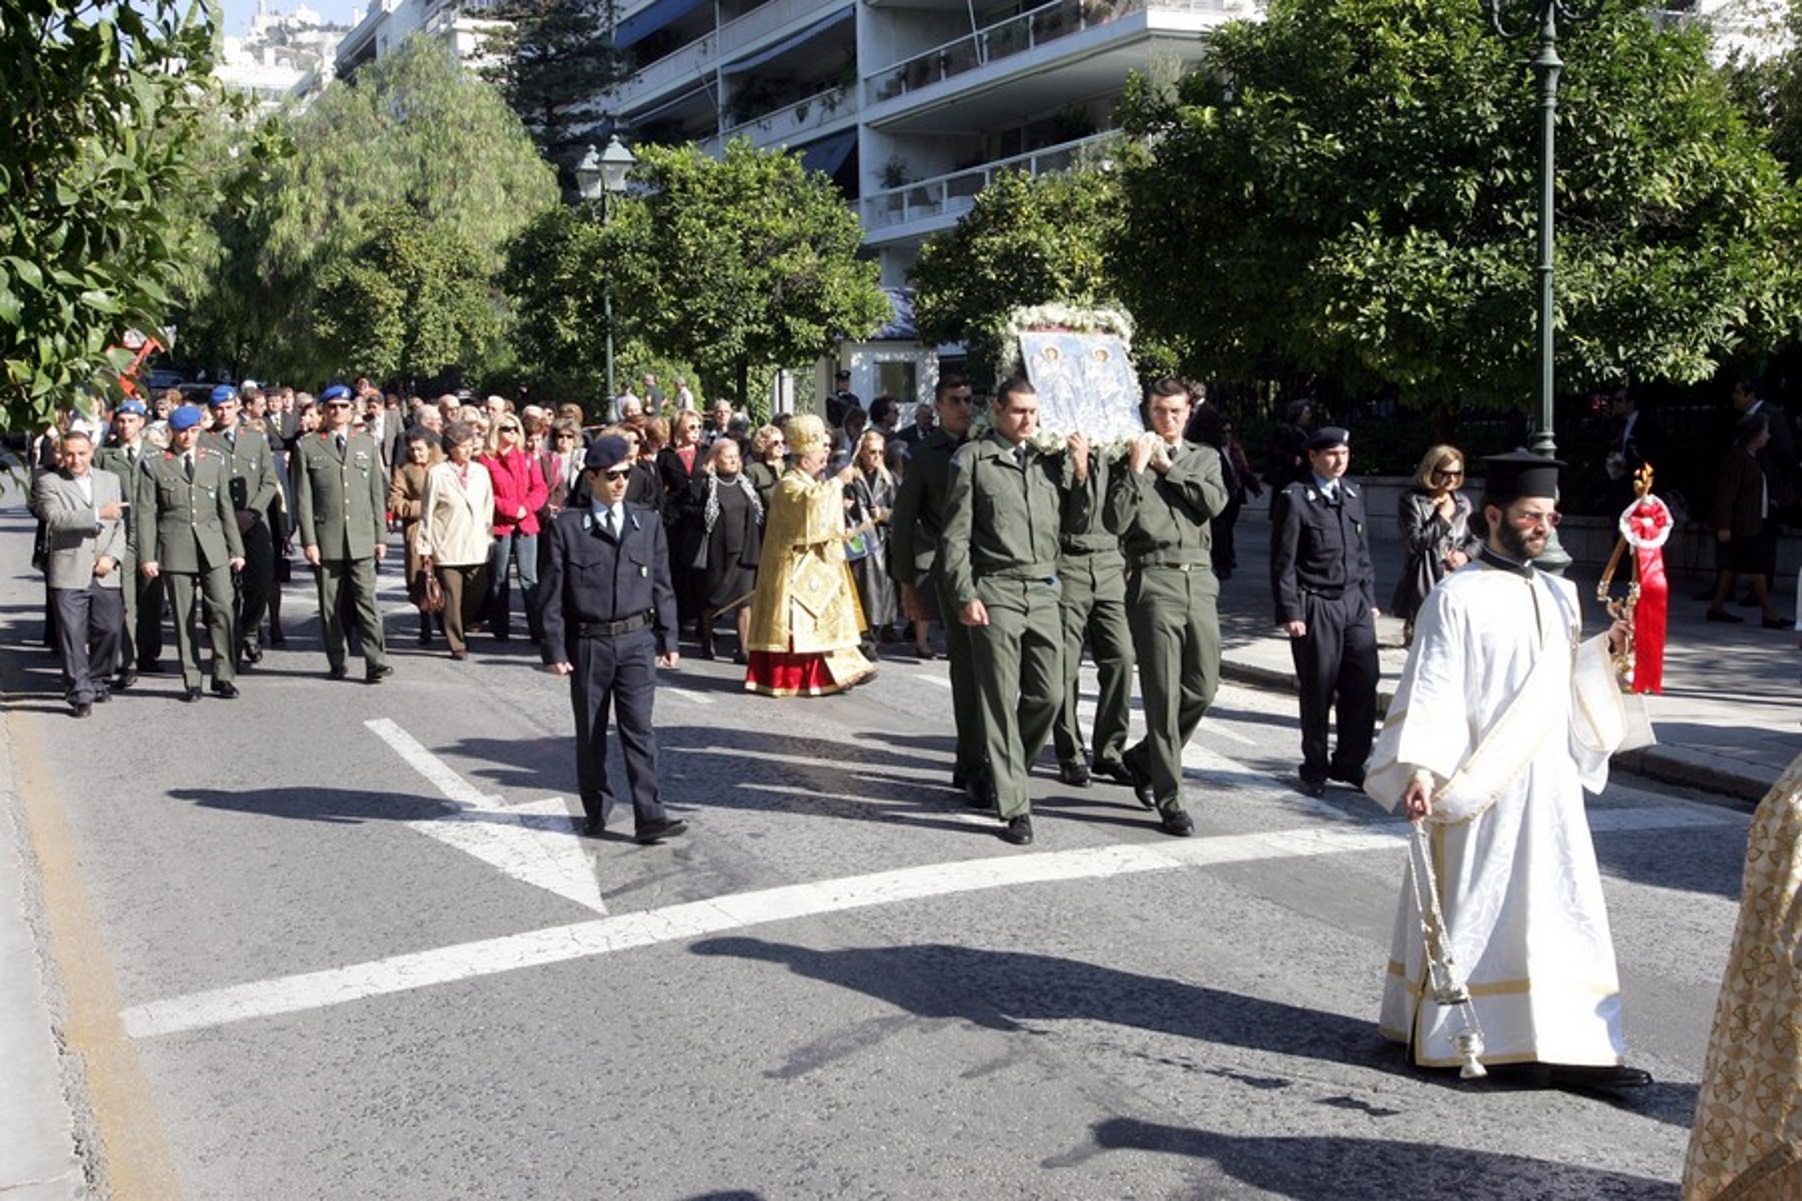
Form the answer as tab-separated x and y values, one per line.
1351	190
101	110
414	130
553	61
741	261
411	301
555	278
1028	240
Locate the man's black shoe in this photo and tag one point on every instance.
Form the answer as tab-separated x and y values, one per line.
1142	787
1178	822
126	680
1355	777
1113	769
150	667
337	672
225	690
82	709
1313	788
1076	775
252	653
592	827
1018	830
657	831
377	673
101	698
1584	1078
980	793
191	695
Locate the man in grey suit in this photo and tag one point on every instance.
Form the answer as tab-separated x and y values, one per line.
141	640
83	513
341	512
188	537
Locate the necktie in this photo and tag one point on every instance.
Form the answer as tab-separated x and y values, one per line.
339	439
1020	453
231	439
187	465
131	457
607	526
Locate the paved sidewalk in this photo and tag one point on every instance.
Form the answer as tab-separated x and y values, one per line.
1728	722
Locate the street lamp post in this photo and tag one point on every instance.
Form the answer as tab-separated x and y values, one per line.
1541	20
601	176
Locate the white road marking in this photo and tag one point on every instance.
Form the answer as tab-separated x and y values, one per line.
534	843
941	681
695	919
1231	735
685	694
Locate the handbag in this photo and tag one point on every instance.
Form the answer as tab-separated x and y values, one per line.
429	593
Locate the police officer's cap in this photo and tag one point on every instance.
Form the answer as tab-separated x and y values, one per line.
335	392
1327	437
606	453
222	394
1510	477
132	405
184	418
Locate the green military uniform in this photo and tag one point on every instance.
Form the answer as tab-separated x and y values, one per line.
189	530
1002	515
1171	603
141	641
1093	603
253	488
918	523
340	509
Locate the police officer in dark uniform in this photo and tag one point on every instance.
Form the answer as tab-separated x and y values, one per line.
609	623
1325	593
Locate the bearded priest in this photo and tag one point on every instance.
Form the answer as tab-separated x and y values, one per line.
1505	715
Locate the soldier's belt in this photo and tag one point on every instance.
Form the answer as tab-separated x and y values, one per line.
1175	562
614	629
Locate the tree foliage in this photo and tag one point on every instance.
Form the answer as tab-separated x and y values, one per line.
409	302
1028	240
1361	202
413	131
101	110
552	60
554	271
739	261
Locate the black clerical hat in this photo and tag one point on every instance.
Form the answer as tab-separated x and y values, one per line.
1509	477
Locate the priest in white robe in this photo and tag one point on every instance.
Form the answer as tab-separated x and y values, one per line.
1504	717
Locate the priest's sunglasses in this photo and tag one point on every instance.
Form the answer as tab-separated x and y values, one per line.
1546	517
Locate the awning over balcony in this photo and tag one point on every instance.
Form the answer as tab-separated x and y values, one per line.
777	49
829	154
649	19
901	328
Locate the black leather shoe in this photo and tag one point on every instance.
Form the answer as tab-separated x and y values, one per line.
126	680
1178	822
225	690
191	695
150	667
1113	769
101	698
1606	1079
1018	830
657	831
338	672
592	827
1076	775
1313	788
1142	787
252	653
980	793
82	709
1723	615
378	673
1355	777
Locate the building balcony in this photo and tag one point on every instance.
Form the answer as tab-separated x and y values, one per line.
677	72
795	122
1033	39
928	205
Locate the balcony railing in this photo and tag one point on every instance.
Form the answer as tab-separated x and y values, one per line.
952	195
1037	27
803	116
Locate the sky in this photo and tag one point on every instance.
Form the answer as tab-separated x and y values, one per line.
239	12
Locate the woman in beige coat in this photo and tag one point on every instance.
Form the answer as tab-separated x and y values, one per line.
455	532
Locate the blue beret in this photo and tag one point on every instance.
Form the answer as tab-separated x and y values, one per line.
606	453
132	405
221	394
186	417
335	392
1327	437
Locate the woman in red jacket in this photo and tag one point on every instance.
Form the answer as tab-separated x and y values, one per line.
519	492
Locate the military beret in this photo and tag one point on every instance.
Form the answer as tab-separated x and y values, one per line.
335	392
184	418
606	453
132	405
1327	437
221	394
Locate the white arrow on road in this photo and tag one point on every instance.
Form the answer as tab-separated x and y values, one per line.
534	843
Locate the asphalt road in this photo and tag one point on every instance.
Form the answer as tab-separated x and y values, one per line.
333	940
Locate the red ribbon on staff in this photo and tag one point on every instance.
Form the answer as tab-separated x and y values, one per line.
1646	526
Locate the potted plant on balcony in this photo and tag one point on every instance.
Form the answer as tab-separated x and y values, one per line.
894	173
